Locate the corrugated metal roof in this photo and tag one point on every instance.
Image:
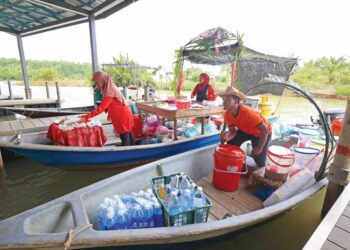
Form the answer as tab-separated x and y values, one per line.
27	17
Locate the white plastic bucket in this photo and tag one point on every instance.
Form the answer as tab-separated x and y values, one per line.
305	156
279	159
306	136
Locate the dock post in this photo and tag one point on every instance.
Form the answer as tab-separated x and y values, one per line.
0	90
10	90
1	162
146	94
59	104
339	172
47	90
125	93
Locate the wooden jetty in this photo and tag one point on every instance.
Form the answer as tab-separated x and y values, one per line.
35	125
334	231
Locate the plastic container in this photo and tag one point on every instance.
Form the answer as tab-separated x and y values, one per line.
279	162
306	136
228	163
196	215
171	99
306	157
183	104
336	126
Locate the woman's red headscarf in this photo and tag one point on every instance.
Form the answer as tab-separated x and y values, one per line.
205	76
109	88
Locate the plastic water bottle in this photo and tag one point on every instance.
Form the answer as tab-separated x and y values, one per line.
121	219
157	215
101	216
199	198
184	182
173	203
148	214
186	200
167	192
174	183
110	219
137	217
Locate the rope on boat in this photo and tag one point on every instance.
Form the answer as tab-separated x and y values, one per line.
71	235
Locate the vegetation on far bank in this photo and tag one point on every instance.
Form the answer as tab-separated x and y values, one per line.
325	75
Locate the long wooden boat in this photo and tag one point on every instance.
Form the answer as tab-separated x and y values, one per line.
39	148
47	112
47	226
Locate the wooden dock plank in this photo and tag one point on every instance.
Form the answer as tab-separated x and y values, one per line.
16	125
340	237
328	245
27	123
347	211
344	223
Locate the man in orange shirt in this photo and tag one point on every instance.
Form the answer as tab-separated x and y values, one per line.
245	124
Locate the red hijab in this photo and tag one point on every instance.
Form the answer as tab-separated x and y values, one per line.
109	88
205	76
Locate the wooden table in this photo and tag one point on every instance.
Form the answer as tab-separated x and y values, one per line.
162	109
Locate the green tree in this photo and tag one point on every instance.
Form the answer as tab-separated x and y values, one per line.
333	66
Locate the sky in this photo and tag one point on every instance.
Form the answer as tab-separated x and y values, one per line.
150	31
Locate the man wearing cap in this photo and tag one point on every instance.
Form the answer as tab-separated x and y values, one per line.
245	124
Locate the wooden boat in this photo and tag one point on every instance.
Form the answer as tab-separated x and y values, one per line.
47	226
39	148
47	112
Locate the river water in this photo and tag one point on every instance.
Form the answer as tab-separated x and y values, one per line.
25	184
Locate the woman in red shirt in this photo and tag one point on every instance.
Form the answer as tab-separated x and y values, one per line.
115	104
203	90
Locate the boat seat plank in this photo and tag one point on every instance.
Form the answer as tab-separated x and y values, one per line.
27	124
239	202
5	126
244	193
37	122
16	125
219	197
46	121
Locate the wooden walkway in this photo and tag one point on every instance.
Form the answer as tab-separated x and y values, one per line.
236	203
334	231
36	125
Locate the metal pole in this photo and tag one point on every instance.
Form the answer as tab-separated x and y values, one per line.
339	172
10	90
93	43
47	90
125	93
24	68
0	89
146	93
58	96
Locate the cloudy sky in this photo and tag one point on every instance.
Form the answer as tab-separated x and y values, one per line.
151	30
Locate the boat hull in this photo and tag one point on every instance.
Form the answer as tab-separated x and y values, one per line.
61	158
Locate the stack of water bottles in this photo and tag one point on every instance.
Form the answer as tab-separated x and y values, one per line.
137	210
183	201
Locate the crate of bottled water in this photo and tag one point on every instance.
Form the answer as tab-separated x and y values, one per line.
130	211
183	202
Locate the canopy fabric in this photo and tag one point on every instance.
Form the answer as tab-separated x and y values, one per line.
218	46
27	17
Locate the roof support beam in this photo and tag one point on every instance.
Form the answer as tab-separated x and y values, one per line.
93	43
112	9
62	5
24	67
106	6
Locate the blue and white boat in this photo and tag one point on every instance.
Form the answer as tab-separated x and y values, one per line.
38	147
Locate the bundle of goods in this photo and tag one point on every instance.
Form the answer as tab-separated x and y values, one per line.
150	125
71	123
182	200
137	210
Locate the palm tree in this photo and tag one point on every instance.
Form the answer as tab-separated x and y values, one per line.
333	67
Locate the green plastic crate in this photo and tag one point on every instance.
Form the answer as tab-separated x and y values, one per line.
196	215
